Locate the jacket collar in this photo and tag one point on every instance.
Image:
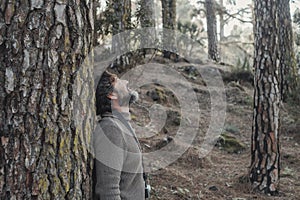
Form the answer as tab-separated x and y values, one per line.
116	114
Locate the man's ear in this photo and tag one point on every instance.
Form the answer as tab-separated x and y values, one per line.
112	96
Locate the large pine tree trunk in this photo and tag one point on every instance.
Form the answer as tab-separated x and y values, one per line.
212	35
46	120
265	154
286	52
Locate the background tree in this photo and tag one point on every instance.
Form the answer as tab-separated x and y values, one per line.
225	16
169	22
146	13
296	20
146	17
102	21
222	20
193	31
228	13
288	72
121	20
265	154
190	24
213	49
97	21
43	151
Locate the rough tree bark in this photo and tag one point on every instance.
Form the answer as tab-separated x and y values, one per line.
288	71
265	147
45	92
213	49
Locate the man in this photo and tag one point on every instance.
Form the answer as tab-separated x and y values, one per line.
118	164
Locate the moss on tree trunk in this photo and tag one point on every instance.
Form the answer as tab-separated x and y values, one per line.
45	121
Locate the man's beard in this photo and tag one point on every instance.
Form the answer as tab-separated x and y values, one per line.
131	97
134	97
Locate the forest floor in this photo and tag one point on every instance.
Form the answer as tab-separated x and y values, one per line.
223	173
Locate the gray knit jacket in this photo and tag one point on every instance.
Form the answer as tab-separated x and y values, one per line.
118	163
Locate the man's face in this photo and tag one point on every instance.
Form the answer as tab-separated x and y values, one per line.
124	94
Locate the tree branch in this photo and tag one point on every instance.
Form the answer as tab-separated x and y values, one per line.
201	2
234	15
222	9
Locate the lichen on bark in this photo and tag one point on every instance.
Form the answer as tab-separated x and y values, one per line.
44	151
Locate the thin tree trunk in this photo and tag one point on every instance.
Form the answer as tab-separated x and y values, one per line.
213	49
116	22
121	21
45	121
169	23
265	148
166	25
147	13
172	14
97	22
147	20
286	52
222	22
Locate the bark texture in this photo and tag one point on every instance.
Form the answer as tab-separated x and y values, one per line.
265	148
213	49
288	71
46	120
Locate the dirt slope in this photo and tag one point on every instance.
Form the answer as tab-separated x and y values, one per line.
223	173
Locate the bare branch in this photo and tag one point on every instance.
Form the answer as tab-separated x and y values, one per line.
244	10
201	2
222	9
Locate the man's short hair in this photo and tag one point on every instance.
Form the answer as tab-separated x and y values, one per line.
104	88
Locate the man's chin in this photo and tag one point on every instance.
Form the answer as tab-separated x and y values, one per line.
134	97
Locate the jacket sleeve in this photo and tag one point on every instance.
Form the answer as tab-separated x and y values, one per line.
109	148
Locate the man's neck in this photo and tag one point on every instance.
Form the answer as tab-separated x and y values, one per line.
123	110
